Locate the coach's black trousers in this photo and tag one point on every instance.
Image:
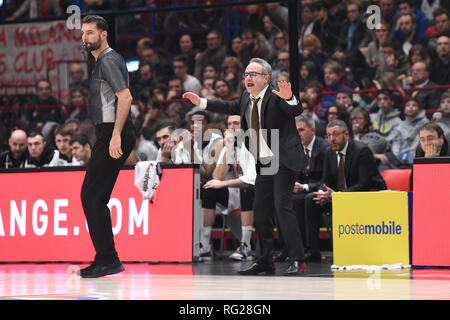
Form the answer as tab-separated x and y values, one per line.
273	196
99	181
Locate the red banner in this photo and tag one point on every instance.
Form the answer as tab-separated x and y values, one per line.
431	215
42	219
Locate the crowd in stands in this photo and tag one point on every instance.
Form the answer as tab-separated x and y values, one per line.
386	83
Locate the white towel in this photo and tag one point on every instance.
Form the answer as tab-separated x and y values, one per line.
146	178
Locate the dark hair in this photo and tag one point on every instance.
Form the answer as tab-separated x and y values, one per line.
64	130
366	115
415	100
386	92
33	134
202	113
433	126
99	21
81	139
165	124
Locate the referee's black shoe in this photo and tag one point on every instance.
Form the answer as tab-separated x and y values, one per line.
96	270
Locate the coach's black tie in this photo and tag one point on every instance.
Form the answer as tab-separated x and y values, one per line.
255	126
341	172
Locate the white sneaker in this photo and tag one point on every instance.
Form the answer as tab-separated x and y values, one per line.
243	252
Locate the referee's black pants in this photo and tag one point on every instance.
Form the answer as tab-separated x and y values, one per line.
99	181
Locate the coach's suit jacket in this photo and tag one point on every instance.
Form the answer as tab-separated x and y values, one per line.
361	171
276	113
312	176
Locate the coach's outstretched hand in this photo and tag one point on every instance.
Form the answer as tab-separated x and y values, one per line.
285	90
192	97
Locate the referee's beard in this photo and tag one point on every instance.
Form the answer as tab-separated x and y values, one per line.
94	46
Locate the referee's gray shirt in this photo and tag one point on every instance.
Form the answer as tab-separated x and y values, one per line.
110	75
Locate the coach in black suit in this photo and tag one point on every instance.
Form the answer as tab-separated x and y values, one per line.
349	166
269	114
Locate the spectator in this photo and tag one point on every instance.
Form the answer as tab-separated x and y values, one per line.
63	155
360	174
421	21
312	51
440	65
237	48
210	72
78	103
387	118
278	13
214	53
353	34
81	148
165	141
428	99
308	73
143	82
344	98
154	115
312	91
44	108
308	110
254	46
232	73
180	69
443	117
408	34
441	24
162	68
380	34
37	8
142	44
39	154
364	132
270	29
388	12
308	25
328	26
358	74
176	88
333	73
417	53
395	60
280	43
282	64
76	74
338	112
233	179
432	142
17	153
176	114
405	135
207	89
252	18
223	90
186	45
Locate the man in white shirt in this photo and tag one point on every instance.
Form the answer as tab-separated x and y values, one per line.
233	180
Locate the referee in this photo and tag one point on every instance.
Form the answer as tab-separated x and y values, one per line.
115	139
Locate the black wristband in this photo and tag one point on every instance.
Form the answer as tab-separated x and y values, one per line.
292	97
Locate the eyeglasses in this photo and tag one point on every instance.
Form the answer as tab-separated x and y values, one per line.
252	74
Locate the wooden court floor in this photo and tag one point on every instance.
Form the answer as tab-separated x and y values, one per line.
217	280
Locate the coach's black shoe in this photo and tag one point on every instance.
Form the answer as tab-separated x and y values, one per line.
295	268
258	268
96	270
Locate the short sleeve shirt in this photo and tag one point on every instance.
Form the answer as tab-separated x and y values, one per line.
108	76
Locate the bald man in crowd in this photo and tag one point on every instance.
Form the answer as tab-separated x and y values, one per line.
17	153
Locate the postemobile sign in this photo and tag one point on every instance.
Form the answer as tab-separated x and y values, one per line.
370	228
